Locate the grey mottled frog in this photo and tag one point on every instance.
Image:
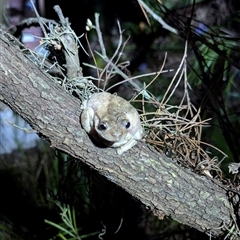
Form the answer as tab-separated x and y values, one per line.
111	120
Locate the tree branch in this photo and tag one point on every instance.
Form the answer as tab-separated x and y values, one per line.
159	183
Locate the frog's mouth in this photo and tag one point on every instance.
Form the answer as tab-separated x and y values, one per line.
106	142
100	141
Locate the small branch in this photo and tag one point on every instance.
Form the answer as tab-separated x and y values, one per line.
106	59
39	18
157	18
63	20
99	33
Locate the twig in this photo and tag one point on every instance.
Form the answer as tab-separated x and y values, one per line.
63	21
70	48
110	61
140	76
157	18
39	18
106	59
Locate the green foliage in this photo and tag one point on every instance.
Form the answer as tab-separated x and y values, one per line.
216	52
68	230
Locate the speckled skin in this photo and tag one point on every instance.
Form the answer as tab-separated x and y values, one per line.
111	120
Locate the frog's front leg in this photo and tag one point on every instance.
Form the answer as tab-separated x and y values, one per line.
87	119
126	146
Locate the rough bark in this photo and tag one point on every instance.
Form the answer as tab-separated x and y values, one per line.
154	179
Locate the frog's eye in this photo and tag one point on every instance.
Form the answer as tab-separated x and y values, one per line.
102	126
128	125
